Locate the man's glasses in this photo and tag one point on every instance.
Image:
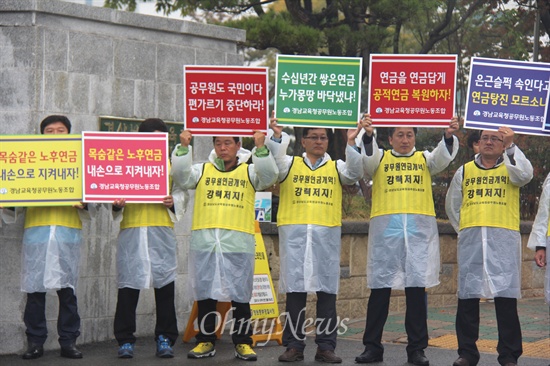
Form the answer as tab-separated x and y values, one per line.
493	139
316	138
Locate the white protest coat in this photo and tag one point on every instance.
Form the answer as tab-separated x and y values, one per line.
146	255
50	256
310	254
403	249
539	233
489	258
221	262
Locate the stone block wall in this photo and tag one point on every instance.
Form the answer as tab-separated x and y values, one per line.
85	62
353	295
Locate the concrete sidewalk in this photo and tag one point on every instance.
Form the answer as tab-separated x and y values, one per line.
104	354
534	317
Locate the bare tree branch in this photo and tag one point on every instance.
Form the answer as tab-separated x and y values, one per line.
437	34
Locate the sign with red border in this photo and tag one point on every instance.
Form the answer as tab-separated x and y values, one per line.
225	100
129	165
412	90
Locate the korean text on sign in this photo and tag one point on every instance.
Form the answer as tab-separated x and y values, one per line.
225	100
412	90
318	91
127	165
511	93
40	170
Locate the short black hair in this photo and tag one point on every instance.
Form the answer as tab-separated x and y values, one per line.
391	130
473	137
305	131
53	119
236	139
152	125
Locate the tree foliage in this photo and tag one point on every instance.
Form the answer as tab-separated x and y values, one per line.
277	30
186	7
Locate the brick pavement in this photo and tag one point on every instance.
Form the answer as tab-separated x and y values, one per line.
533	313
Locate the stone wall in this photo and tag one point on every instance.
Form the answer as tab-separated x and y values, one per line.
353	294
86	62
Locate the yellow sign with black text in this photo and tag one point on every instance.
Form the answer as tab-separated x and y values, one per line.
264	301
40	170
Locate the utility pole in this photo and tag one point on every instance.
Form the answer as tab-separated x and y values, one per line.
536	33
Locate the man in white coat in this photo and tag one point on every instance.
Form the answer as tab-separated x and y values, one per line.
222	247
539	239
483	206
403	243
309	221
50	261
146	257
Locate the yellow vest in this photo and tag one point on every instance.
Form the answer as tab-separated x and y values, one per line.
55	215
224	200
145	214
402	185
310	196
489	198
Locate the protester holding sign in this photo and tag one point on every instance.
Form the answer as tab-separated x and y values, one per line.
539	239
146	255
51	256
309	221
483	206
222	247
403	244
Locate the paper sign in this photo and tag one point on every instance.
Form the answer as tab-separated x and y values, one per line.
131	165
40	170
225	100
508	93
318	91
412	90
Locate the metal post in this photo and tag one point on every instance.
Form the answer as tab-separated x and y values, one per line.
536	32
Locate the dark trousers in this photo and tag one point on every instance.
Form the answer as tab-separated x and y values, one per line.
68	320
326	323
416	323
509	345
125	315
241	329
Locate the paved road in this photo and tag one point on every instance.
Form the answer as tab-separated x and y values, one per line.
104	354
534	317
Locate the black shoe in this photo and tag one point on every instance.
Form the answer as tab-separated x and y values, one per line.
70	351
33	351
418	358
369	356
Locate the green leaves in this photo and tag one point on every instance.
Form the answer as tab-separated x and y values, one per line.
278	30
